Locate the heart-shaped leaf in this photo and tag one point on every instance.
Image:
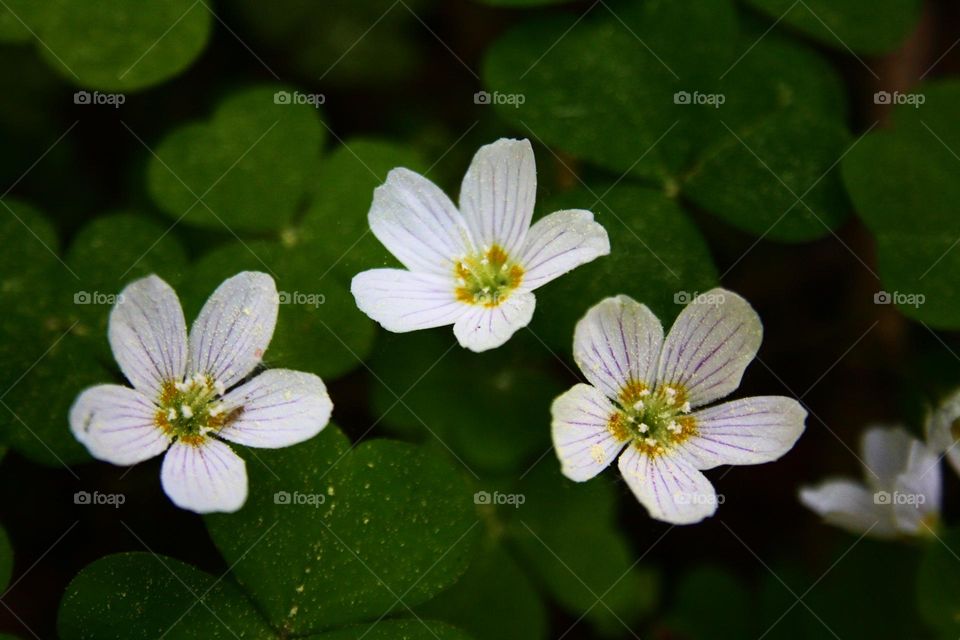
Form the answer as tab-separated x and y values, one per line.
903	183
118	45
248	168
682	95
332	535
863	27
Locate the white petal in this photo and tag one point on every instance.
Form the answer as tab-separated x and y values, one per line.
710	345
148	335
669	488
616	342
406	301
234	328
277	408
205	478
851	506
560	242
498	193
581	438
918	490
746	431
117	424
940	432
482	328
418	224
886	452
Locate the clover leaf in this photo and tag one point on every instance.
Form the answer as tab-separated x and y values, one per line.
246	169
686	98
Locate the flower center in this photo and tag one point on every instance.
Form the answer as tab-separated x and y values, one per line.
191	409
488	278
655	419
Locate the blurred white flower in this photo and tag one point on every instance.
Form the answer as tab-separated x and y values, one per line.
900	495
474	268
943	430
186	400
644	395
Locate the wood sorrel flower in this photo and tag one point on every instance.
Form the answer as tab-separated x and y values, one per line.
943	430
644	396
901	495
474	268
186	399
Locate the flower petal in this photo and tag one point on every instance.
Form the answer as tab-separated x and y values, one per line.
204	478
850	506
560	242
583	442
668	486
482	328
616	342
148	335
418	224
886	453
234	328
710	345
498	193
940	431
277	408
406	301
746	431
117	424
918	490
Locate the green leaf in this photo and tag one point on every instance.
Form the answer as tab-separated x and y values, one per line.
334	229
60	310
938	584
903	184
121	45
422	381
664	92
247	169
569	539
494	583
319	328
868	28
142	595
16	16
361	528
656	253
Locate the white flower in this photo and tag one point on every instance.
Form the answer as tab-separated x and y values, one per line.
186	399
474	268
943	430
901	495
644	395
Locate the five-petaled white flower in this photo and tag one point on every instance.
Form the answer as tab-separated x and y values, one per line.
644	395
901	495
185	396
474	268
